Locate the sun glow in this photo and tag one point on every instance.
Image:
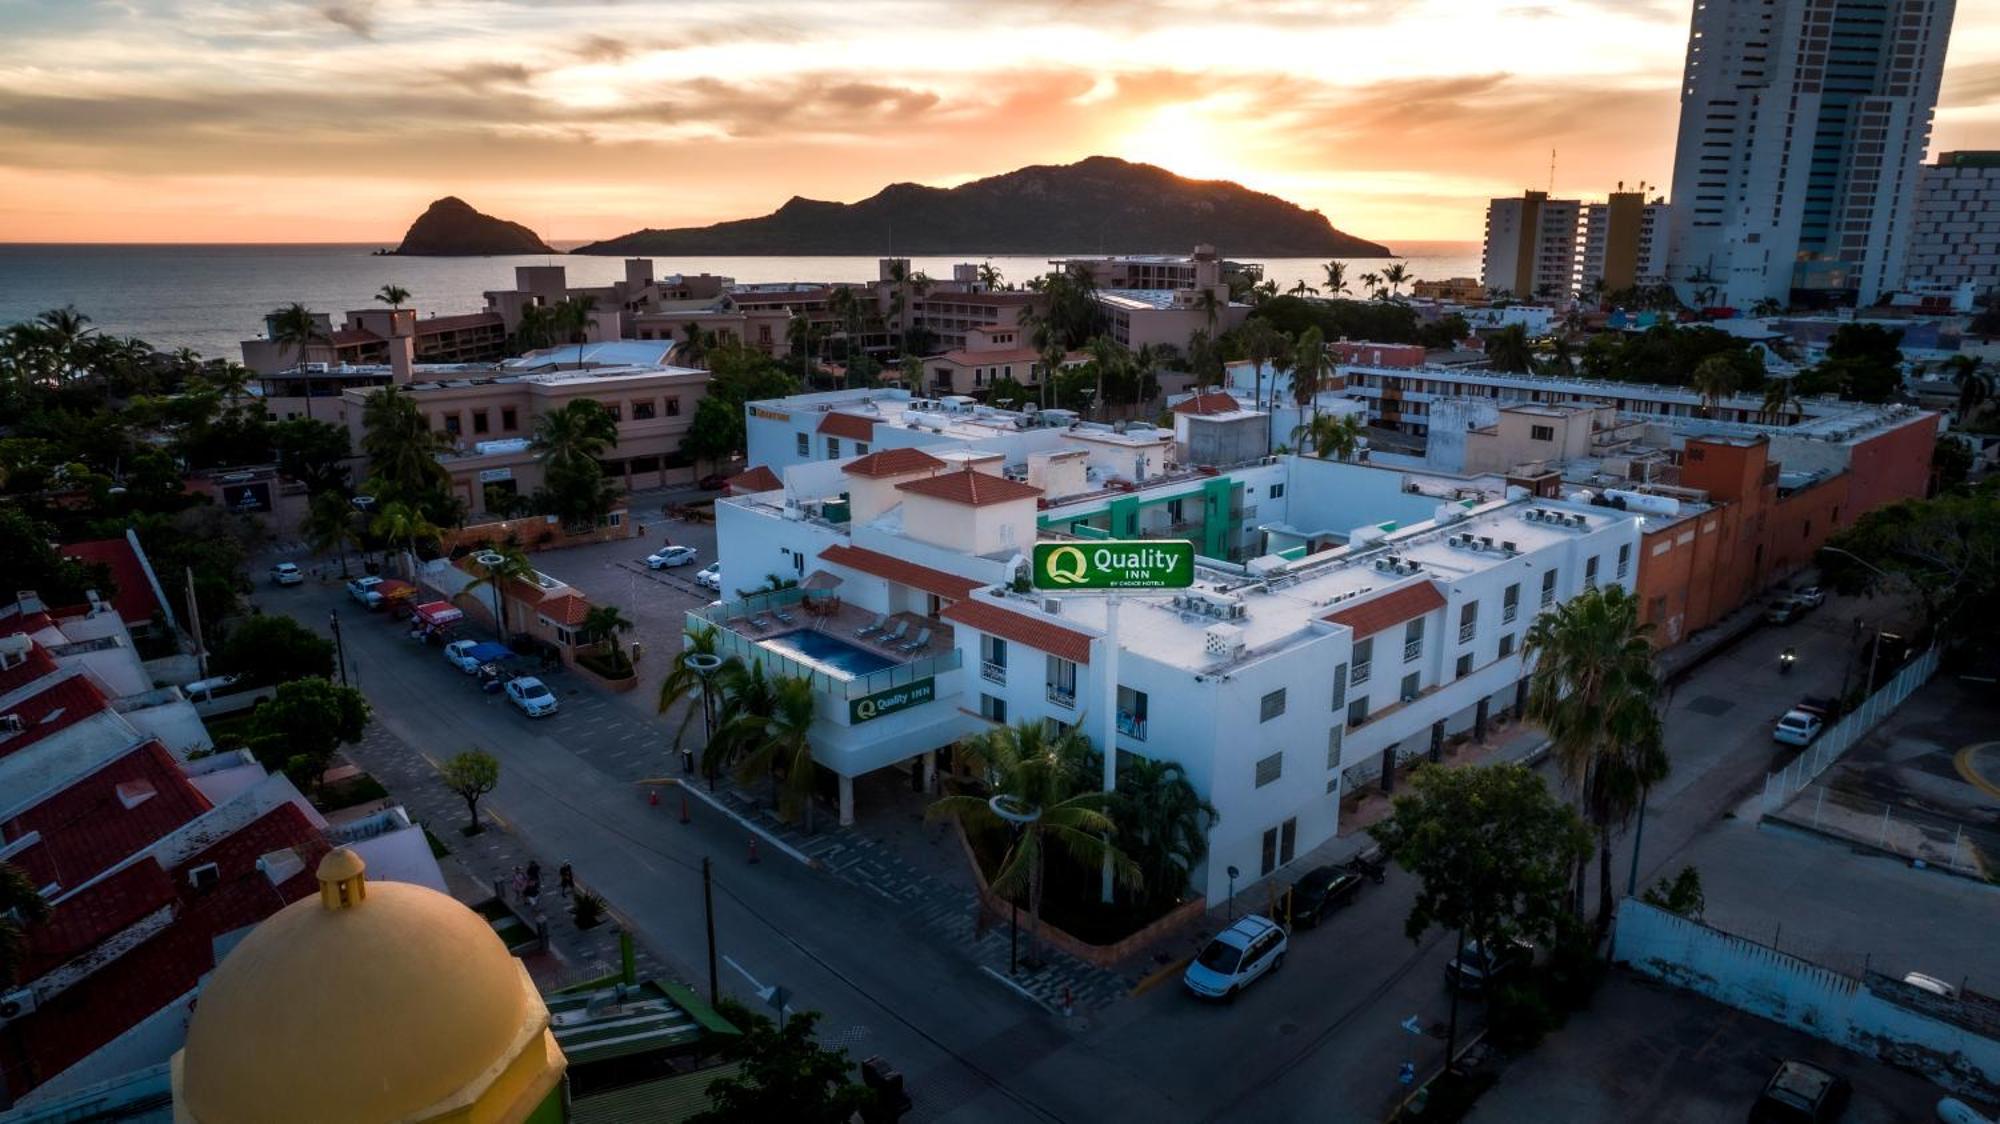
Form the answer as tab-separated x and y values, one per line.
1184	139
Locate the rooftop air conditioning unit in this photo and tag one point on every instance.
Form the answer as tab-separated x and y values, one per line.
1486	542
1532	515
1579	521
1224	640
12	724
204	876
1510	547
1052	606
15	1004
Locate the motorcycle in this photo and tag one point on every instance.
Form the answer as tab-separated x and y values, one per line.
1785	661
1371	863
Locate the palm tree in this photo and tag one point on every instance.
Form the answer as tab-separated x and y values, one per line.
1302	289
1146	364
778	743
1714	378
747	698
1330	436
912	368
1595	692
1210	308
1395	275
329	525
297	327
1045	782
1311	368
683	684
21	904
502	565
572	316
1164	823
1052	361
401	447
605	622
537	328
393	296
799	338
695	344
1262	343
63	332
989	276
1336	278
1780	392
1767	306
1508	350
1110	359
400	522
1373	283
575	432
1974	385
1560	361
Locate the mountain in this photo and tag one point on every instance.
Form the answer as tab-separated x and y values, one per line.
1100	203
451	228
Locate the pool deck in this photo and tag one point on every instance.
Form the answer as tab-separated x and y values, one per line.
841	624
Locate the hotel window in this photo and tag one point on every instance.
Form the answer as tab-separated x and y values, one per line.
1468	621
993	658
508	420
673	406
1279	843
1506	645
992	709
616	411
1132	713
1412	686
451	424
643	410
1364	652
833	448
1339	687
1270	768
1464	666
1413	640
1590	572
1624	559
1357	712
805	445
1510	604
1271	706
1062	681
1541	433
1277	491
479	422
1549	588
861	448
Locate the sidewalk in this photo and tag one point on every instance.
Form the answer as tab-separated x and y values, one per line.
480	864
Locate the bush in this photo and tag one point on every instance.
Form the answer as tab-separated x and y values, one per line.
615	666
587	909
274	649
1518	1016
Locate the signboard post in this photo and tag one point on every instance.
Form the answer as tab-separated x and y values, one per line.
1108	567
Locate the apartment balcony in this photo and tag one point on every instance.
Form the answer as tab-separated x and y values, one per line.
1412	650
1466	632
1510	613
993	672
1361	672
1131	725
1062	696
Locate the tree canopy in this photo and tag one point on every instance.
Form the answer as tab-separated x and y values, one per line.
301	728
268	649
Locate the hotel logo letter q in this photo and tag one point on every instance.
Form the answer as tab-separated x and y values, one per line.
1065	566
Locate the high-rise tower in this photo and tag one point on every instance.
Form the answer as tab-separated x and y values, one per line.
1803	123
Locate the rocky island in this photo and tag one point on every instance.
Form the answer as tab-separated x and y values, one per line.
450	227
1101	203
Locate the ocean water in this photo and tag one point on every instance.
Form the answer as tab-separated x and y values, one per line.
211	297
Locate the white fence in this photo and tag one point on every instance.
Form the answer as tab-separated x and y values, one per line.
1841	736
1950	1041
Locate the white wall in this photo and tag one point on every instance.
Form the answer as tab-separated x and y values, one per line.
1335	496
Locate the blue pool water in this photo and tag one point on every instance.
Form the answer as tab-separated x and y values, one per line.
831	651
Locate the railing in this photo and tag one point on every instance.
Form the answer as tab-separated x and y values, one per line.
1360	673
1624	568
1131	725
993	672
1466	632
1060	696
1412	649
1548	598
1508	614
1838	738
731	644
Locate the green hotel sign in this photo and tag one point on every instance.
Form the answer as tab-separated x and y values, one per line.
1123	564
867	708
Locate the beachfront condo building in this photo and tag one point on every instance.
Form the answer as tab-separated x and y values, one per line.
1531	246
1955	235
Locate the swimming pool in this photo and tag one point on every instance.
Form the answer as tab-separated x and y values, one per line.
830	651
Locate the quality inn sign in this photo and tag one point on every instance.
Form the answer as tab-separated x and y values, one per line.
1132	564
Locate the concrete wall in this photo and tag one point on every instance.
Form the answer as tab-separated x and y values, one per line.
1879	1018
1450	418
1334	496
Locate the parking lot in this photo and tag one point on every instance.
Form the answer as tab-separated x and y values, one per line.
1646	1052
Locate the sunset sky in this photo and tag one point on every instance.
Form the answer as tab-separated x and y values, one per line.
338	120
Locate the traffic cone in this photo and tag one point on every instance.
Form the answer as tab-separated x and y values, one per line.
653	797
684	806
753	849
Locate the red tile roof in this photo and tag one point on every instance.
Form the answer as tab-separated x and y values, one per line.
61	705
1370	617
353	337
903	573
38	664
1033	630
754	479
893	462
975	489
74	1023
964	357
1213	402
567	609
86	828
851	426
135	599
81	922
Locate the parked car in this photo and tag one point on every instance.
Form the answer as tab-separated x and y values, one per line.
458	654
1320	892
208	688
710	576
287	573
1801	1093
532	696
713	482
1799	726
1931	984
1812	596
1236	958
1477	969
668	557
364	590
1784	610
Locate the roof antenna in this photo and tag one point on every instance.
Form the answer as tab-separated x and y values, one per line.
1552	171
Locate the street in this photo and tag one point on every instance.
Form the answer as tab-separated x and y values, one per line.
1321	1040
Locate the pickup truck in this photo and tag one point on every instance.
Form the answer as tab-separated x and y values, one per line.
1801	725
364	591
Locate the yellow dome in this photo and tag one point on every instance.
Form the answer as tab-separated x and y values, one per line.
373	1002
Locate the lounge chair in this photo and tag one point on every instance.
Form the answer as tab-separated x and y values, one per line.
783	616
894	636
922	641
881	622
758	622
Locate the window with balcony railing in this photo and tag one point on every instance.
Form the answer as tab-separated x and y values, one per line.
1132	713
993	659
1510	605
993	672
1413	640
1361	672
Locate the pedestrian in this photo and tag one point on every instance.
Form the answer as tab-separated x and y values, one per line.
567	878
534	871
520	884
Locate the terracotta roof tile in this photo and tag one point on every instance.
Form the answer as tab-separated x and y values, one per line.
567	609
63	704
1213	402
86	828
38	664
135	599
851	426
1031	629
1369	617
967	358
904	573
752	480
893	462
975	489
437	324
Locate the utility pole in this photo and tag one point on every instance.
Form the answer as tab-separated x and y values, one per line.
1110	719
339	645
708	908
194	623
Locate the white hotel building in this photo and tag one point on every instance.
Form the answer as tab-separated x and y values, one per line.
1363	621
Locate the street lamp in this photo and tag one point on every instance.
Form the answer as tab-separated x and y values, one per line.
704	665
1017	816
1232	895
339	646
